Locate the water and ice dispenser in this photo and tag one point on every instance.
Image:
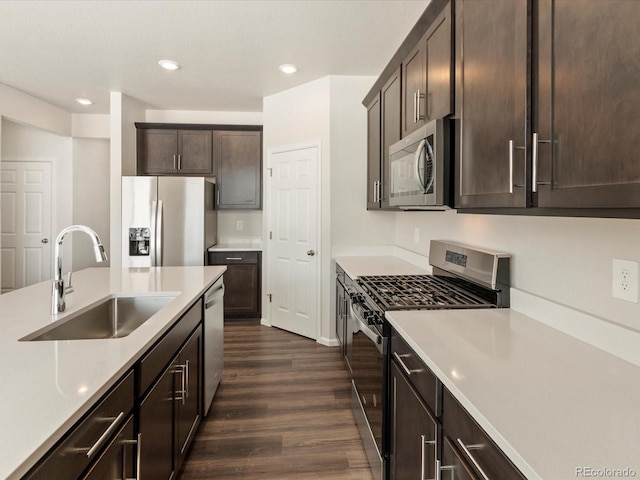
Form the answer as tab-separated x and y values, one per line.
139	238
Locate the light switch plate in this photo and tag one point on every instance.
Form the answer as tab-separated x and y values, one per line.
624	280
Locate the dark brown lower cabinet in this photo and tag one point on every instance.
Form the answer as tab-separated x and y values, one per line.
473	449
414	432
170	413
242	282
156	427
188	404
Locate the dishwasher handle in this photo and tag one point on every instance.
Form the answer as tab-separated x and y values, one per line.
214	296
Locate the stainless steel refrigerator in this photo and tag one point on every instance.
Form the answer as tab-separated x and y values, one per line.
167	220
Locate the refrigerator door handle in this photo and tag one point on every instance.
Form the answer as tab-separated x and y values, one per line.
159	235
154	228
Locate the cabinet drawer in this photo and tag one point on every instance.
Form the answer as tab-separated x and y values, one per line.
84	441
464	432
225	258
421	376
159	356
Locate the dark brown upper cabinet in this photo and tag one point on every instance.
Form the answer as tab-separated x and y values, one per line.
238	159
547	103
384	125
426	75
588	114
174	152
491	102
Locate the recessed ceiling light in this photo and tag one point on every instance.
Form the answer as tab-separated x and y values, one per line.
168	64
288	68
84	101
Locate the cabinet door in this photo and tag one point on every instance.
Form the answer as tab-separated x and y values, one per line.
493	97
188	404
157	151
414	88
391	101
238	160
438	45
242	290
589	108
195	150
156	427
414	432
119	459
373	153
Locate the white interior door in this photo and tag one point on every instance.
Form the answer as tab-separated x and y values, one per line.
294	259
26	223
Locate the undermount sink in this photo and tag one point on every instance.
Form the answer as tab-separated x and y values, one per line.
113	318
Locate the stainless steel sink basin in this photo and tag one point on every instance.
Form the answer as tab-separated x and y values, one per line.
114	318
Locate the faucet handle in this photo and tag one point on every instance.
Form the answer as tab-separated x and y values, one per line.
69	288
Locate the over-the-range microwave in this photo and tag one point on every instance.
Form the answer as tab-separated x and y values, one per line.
419	169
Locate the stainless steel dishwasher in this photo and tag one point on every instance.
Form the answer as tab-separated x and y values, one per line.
213	340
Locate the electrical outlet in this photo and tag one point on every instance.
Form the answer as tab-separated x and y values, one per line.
624	284
416	235
239	225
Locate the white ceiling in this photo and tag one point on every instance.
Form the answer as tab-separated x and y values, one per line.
229	50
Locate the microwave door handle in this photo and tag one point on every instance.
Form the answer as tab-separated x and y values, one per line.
421	147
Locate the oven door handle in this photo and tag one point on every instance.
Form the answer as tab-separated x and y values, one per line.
378	340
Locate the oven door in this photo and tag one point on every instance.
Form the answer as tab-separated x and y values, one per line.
368	365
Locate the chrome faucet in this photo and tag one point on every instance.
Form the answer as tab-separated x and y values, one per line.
59	289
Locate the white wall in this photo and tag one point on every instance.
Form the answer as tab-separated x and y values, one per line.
206	117
228	223
329	110
566	260
22	142
91	197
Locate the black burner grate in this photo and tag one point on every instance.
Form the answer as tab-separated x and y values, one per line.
405	292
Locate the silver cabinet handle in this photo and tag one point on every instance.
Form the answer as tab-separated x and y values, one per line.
218	195
511	149
234	258
138	444
104	437
186	366
420	96
423	455
311	253
466	449
415	107
534	162
182	370
403	365
179	161
175	164
380	191
375	192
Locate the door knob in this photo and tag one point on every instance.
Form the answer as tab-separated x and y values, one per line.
44	240
311	253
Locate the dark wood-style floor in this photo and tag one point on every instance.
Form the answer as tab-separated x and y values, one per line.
282	411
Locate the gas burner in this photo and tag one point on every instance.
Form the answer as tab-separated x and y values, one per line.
406	292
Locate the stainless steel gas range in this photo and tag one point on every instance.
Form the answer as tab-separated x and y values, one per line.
463	277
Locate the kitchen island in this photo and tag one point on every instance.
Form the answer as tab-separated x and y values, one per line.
49	385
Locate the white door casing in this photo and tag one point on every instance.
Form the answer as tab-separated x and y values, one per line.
26	223
293	256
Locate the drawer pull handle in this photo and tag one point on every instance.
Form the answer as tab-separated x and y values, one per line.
466	449
403	365
138	444
234	258
91	451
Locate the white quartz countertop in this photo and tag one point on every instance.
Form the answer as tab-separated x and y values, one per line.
48	385
552	403
360	266
238	245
